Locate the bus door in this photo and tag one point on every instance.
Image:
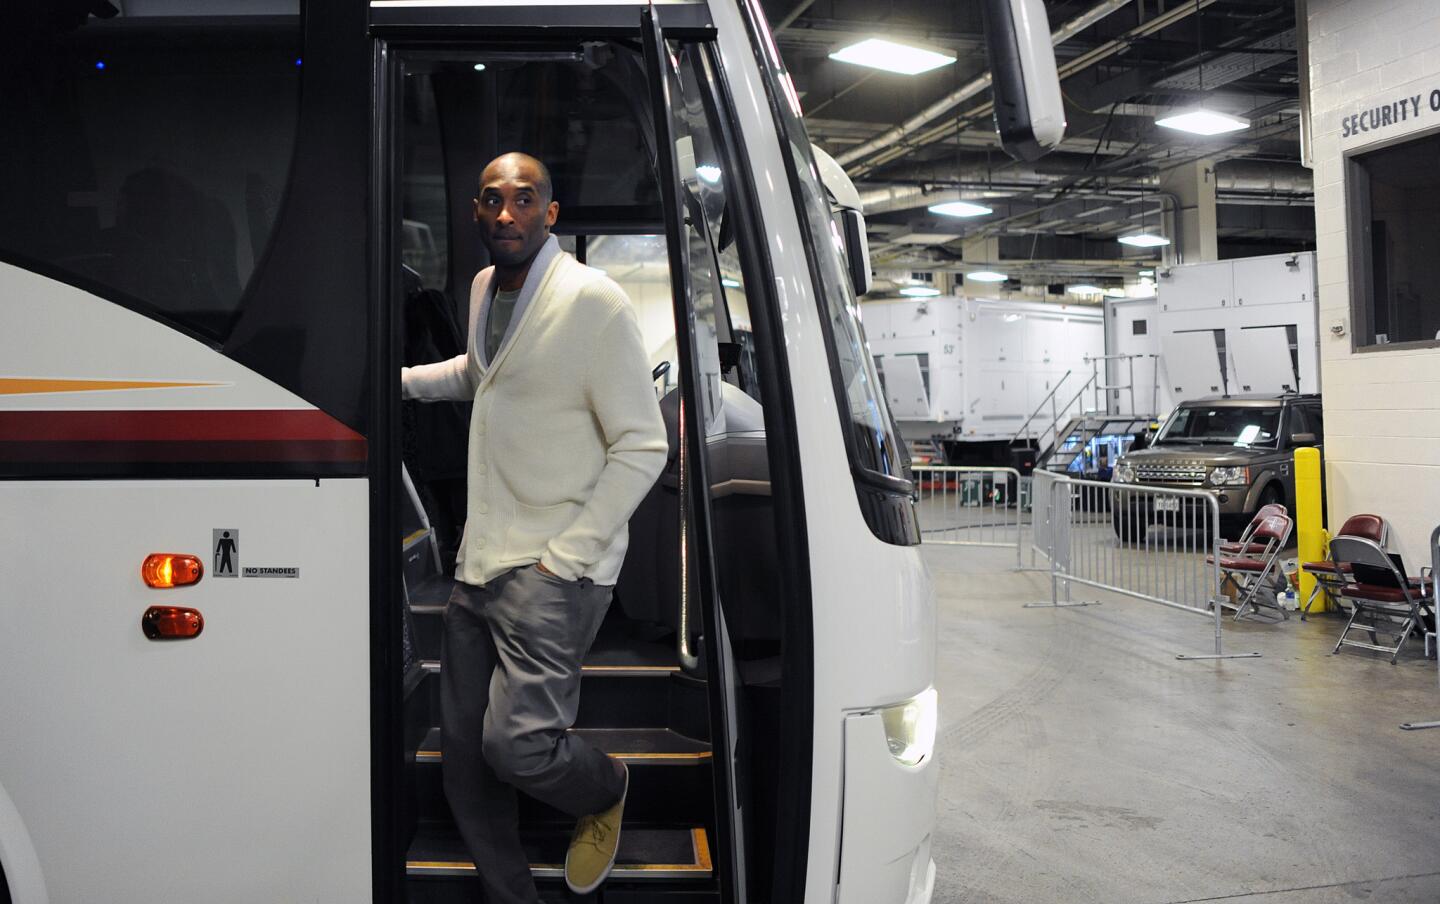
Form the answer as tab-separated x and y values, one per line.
596	94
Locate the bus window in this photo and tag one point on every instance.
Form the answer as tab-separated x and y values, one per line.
145	157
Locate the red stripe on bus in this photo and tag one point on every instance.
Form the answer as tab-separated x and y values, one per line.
177	435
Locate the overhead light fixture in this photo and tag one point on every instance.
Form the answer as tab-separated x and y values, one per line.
986	276
479	67
1084	289
729	283
960	209
1150	273
878	53
1203	122
919	292
1144	240
709	172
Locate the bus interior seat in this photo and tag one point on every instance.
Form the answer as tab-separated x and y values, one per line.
745	543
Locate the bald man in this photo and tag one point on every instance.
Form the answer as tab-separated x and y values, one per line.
566	439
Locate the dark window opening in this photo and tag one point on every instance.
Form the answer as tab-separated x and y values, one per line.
1395	202
1139	328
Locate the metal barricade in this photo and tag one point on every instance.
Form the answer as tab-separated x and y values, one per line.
1150	543
969	506
1430	643
1042	513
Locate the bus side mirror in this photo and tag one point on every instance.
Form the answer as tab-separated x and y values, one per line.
857	249
1029	113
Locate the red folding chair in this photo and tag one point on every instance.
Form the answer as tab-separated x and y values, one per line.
1253	572
1332	574
1387	602
1243	545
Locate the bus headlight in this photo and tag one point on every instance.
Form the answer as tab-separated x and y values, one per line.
1229	477
910	727
1123	473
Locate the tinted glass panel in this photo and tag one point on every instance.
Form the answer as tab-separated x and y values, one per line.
145	157
1398	188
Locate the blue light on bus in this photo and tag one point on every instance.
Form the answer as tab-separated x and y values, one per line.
298	61
99	64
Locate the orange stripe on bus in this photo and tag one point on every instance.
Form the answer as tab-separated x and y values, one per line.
26	386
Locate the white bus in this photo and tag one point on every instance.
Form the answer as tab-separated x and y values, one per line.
224	538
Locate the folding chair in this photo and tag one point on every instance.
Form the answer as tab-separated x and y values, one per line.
1331	574
1253	572
1383	599
1243	545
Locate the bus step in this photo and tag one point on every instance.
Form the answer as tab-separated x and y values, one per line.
647	854
639	746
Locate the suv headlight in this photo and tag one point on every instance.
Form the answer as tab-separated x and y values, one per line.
1123	473
910	727
1229	477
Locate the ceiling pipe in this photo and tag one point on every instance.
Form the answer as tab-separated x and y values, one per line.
972	88
1270	180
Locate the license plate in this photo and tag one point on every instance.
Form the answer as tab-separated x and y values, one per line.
1167	504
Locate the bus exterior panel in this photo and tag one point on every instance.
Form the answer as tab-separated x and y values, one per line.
874	607
222	767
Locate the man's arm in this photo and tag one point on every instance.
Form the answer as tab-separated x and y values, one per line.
623	398
443	381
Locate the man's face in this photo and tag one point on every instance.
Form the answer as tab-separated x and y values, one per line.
514	218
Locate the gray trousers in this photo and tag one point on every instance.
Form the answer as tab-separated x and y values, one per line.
509	689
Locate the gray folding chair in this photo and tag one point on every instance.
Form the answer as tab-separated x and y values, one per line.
1244	544
1383	599
1254	572
1332	574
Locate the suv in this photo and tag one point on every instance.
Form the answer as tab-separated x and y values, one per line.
1239	448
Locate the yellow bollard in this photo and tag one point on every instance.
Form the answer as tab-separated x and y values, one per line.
1309	522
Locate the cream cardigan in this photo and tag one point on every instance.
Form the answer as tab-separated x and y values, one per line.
565	435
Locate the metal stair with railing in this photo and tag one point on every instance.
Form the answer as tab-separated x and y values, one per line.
1073	425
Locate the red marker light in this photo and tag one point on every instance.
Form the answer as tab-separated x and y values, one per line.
169	569
172	623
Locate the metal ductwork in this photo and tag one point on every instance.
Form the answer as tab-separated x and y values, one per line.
1231	176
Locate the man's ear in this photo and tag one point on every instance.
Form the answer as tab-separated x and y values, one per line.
552	213
475	208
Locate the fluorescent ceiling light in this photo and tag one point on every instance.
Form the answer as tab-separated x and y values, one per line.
1147	273
879	53
1144	240
729	283
919	292
479	67
960	209
987	276
709	172
1084	289
1204	122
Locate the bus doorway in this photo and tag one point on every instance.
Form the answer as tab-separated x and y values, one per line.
688	661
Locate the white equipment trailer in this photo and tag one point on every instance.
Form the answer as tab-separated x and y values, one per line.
966	374
1220	328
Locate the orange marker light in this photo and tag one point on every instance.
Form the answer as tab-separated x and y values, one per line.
172	623
169	569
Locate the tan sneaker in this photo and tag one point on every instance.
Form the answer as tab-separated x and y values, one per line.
593	846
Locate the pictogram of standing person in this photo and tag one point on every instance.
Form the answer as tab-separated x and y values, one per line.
223	563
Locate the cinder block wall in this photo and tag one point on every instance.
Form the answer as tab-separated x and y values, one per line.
1382	409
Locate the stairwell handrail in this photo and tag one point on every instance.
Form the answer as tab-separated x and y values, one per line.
1054	429
1038	408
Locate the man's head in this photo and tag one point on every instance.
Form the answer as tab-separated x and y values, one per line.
516	208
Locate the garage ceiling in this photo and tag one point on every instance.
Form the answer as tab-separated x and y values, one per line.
911	140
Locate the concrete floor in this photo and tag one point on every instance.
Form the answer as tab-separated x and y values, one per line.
1081	762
